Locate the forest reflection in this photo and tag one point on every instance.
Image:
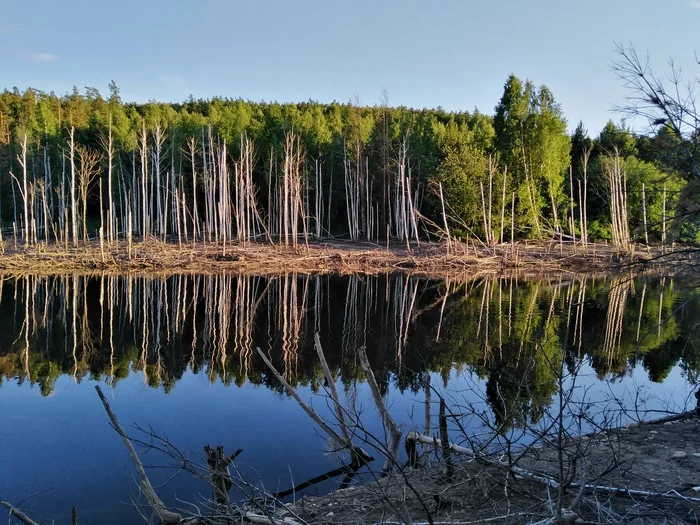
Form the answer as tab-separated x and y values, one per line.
506	331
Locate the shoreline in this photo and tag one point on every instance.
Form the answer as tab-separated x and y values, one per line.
668	448
333	256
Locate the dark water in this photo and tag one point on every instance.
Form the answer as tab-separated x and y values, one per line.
178	354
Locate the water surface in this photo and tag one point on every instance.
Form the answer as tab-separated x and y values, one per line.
178	354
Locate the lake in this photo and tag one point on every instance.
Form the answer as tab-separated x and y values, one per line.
177	354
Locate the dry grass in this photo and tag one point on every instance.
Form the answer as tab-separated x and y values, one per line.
431	259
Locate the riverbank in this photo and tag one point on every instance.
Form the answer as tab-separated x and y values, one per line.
429	259
643	473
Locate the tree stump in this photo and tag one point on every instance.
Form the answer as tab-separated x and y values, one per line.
220	474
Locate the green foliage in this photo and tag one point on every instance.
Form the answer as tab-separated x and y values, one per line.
644	166
616	139
643	173
526	137
462	168
531	140
599	229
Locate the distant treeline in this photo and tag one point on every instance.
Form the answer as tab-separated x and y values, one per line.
82	165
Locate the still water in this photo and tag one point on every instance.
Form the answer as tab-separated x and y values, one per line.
178	354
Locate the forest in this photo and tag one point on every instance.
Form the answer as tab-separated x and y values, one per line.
82	166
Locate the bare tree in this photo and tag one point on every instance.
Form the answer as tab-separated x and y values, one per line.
616	179
662	100
73	203
24	192
107	143
88	164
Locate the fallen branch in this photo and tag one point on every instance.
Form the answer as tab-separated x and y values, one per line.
671	494
348	470
164	515
312	413
522	473
427	440
566	517
474	522
690	414
331	387
387	420
21	516
259	518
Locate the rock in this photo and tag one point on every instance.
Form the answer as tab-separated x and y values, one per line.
679	454
653	432
696	454
329	514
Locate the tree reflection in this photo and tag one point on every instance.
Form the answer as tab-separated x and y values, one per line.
508	332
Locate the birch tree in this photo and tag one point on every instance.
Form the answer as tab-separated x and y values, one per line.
88	170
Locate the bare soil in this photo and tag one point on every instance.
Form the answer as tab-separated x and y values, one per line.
655	457
431	259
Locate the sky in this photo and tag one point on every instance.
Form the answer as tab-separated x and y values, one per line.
454	54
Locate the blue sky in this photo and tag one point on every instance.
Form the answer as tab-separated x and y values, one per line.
449	53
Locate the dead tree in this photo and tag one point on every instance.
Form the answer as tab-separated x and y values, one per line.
616	179
88	163
662	100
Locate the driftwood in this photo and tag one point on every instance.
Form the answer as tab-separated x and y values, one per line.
473	522
349	471
549	481
565	517
312	413
427	440
251	517
21	516
333	392
164	515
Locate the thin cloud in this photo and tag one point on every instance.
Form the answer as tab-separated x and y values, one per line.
42	57
695	4
10	30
